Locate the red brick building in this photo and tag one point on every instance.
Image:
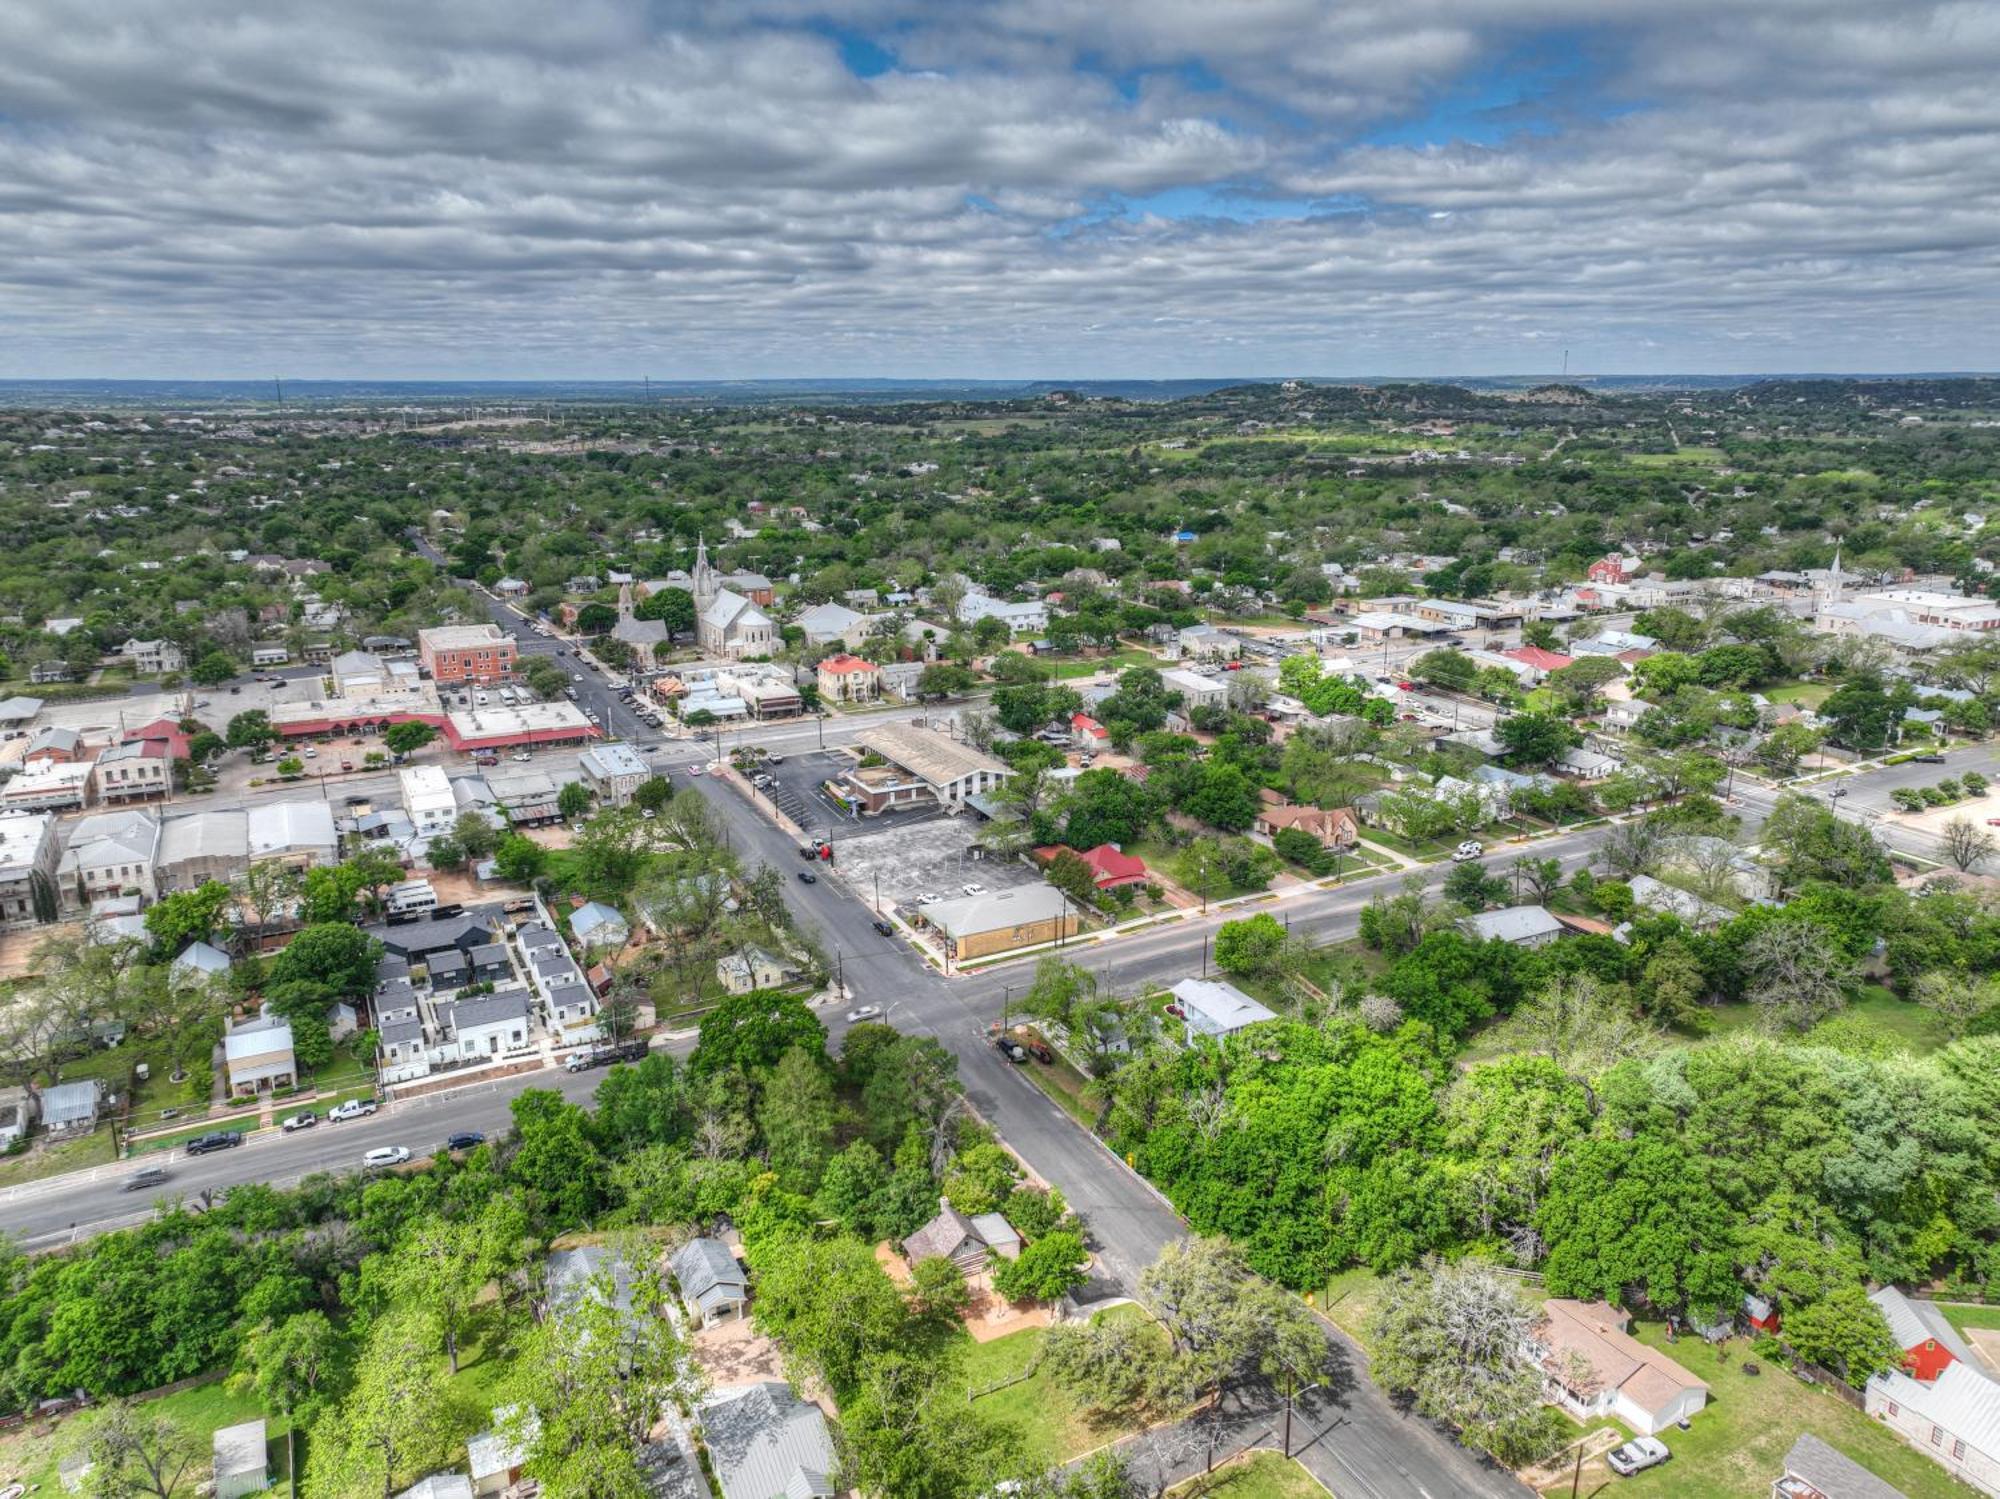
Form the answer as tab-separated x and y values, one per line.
466	653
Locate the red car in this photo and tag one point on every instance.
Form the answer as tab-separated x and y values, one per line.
1406	686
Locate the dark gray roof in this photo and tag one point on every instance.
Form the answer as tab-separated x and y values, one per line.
491	1009
942	1237
708	1274
535	935
670	1473
571	1272
1833	1473
764	1442
414	939
561	995
489	952
397	1032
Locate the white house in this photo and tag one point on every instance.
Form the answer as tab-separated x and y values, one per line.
258	1054
1210	1007
1954	1420
242	1460
428	798
1596	1368
1523	926
613	772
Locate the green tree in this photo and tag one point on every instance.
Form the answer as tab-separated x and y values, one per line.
334	954
557	1161
407	738
1045	1270
672	607
303	1004
187	916
596	619
1578	685
1637	1215
396	1422
1451	1339
212	669
573	800
797	1116
1843	1331
290	1365
518	858
1536	739
251	730
134	1450
750	1033
1251	945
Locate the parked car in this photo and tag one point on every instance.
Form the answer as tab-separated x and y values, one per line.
973	889
1928	759
1035	1048
386	1155
1471	849
221	1139
579	1061
146	1176
1011	1049
808	850
885	928
774	759
807	877
305	1120
863	1012
465	1139
354	1108
1637	1455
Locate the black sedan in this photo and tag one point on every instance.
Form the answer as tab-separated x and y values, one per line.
807	877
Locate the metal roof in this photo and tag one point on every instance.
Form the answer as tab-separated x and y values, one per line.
764	1441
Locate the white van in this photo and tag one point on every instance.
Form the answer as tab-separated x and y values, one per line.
411	896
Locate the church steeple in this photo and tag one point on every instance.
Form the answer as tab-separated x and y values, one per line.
705	586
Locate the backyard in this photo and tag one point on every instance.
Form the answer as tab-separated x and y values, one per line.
29	1455
1047	1422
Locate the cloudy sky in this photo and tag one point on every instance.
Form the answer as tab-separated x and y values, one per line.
743	188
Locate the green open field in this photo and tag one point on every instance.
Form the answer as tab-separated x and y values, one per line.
1904	1026
1257	1475
1047	1423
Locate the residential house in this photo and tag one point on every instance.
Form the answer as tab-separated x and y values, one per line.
849	679
17	1115
1207	643
1614	568
596	925
1088	732
613	772
71	1108
1196	690
968	1241
976	926
900	679
1333	827
1655	895
494	1458
1595	1367
1214	1008
1816	1470
242	1460
1928	1341
1541	662
1954	1420
199	962
1110	866
439	1486
153	658
1028	617
1521	926
110	854
763	1441
712	1283
490	1025
258	1056
1623	717
1586	764
46	673
751	968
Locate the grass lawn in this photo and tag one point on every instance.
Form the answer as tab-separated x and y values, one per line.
1806	694
1962	1316
1258	1475
1047	1425
1904	1026
1065	1085
94	1149
31	1459
1740	1440
1350	1299
1090	666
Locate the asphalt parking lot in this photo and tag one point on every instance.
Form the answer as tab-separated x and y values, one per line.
932	856
798	795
